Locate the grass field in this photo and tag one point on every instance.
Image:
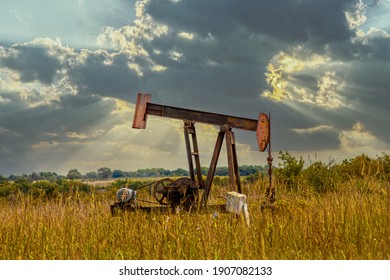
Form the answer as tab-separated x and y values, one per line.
351	221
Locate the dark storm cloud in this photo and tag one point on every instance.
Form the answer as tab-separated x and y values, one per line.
372	96
212	90
371	47
233	43
39	114
11	105
238	38
211	72
33	63
60	130
290	21
77	114
94	76
379	48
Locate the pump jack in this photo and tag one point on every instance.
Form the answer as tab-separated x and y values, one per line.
183	191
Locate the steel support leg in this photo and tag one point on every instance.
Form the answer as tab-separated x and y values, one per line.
234	175
192	152
188	149
213	166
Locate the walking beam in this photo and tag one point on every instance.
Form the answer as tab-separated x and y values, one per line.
144	108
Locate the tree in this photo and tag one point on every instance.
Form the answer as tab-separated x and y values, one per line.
104	173
74	174
118	174
222	171
50	176
179	172
91	175
35	176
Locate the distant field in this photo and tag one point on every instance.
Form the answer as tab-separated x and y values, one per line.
99	183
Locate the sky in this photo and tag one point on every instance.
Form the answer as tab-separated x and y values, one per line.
70	72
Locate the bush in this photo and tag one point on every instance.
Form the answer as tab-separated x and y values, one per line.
254	177
362	167
3	179
7	189
319	177
290	171
23	184
131	184
45	189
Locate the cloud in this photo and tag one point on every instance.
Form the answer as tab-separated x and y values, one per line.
131	39
3	130
45	145
176	55
305	78
318	67
43	70
313	129
356	16
76	135
35	72
4	100
76	24
272	18
351	142
360	140
328	95
283	66
94	76
198	40
57	111
33	64
186	35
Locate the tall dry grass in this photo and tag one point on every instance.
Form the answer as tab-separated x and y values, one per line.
351	222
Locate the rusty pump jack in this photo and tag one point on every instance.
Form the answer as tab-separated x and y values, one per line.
175	192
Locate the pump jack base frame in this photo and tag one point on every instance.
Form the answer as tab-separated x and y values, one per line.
117	208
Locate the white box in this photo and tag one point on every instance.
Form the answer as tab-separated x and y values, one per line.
235	202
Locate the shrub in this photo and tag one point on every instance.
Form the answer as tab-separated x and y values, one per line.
45	189
7	189
23	184
290	170
319	177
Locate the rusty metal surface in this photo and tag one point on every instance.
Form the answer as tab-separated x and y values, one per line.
234	175
158	190
199	116
263	131
188	128
144	107
192	153
213	166
140	116
215	209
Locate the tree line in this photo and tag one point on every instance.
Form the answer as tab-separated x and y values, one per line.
291	173
103	173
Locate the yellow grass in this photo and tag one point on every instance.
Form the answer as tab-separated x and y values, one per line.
350	223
